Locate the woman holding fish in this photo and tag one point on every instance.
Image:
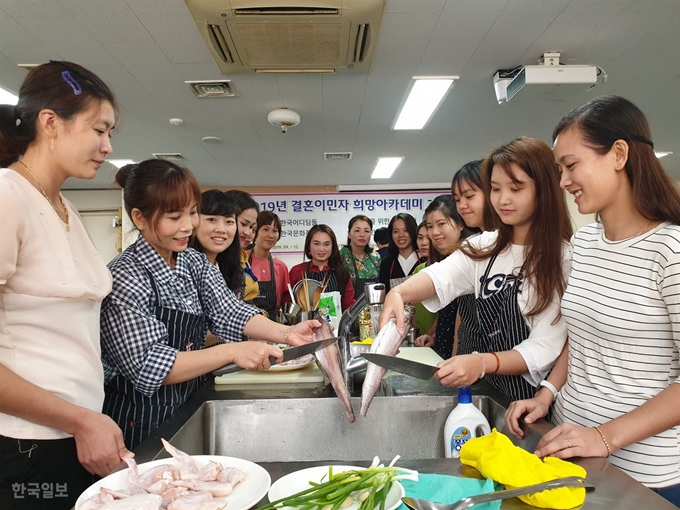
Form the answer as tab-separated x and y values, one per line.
325	265
517	274
165	298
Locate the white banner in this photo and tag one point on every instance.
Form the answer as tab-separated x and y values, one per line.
300	211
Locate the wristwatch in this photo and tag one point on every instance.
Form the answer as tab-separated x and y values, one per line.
547	384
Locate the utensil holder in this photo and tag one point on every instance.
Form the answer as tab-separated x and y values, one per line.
305	315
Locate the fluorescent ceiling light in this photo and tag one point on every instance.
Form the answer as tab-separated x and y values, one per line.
425	96
119	163
385	167
662	154
6	97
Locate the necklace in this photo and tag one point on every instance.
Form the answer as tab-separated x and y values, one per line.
62	218
644	229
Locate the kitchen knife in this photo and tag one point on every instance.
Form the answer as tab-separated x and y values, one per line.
288	354
403	366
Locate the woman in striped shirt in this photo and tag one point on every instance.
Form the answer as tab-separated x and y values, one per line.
616	387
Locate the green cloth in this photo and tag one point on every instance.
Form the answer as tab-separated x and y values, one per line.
367	268
449	489
424	317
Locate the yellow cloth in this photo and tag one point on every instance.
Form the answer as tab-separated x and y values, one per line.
252	288
497	458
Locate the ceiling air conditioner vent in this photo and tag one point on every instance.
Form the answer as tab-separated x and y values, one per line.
169	156
286	11
335	156
301	36
219	43
362	42
211	88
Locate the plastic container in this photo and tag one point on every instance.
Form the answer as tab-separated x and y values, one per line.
464	422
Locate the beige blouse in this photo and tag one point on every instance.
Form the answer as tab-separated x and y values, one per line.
52	283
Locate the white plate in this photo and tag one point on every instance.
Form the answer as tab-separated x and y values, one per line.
298	481
294	364
246	494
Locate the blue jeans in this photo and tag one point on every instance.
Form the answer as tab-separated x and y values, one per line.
671	494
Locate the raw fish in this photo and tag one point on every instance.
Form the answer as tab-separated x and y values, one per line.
329	359
386	342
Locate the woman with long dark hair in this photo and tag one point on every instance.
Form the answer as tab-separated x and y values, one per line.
616	390
52	282
246	219
325	263
517	274
217	237
446	230
357	255
402	251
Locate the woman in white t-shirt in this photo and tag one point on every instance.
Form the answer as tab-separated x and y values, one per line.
516	273
52	282
617	389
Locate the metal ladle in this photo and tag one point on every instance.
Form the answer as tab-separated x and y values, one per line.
463	504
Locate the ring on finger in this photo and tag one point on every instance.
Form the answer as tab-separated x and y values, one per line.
568	443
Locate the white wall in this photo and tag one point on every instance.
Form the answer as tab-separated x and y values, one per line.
99	209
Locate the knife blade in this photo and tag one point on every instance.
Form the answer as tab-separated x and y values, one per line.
288	355
403	366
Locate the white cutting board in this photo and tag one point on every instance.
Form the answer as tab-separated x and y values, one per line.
312	374
309	374
420	354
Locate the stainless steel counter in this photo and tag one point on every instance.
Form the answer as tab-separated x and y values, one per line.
614	489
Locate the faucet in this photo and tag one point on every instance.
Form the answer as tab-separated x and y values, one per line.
352	362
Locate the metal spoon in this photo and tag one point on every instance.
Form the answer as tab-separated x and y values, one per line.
571	481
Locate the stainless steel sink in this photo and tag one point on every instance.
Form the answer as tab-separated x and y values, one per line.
294	430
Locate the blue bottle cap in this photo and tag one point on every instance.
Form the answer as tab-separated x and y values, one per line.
464	395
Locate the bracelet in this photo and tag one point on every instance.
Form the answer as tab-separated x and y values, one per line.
483	364
498	363
604	440
285	335
547	384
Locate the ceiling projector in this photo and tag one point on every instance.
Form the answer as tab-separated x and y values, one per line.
507	83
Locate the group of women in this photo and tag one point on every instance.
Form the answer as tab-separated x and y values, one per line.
585	323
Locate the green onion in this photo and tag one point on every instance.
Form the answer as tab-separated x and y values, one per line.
376	479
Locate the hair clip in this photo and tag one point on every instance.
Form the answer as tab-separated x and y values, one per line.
66	76
250	273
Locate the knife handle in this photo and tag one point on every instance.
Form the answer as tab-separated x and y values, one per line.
233	367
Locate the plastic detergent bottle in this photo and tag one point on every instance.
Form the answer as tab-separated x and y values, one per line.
464	422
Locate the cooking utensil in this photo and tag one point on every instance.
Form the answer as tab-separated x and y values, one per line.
288	354
290	311
463	504
403	366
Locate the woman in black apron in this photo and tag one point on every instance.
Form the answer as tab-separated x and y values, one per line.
321	247
271	272
517	274
445	230
357	255
402	252
165	298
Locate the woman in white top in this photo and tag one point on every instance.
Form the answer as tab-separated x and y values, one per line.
617	390
517	274
52	282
